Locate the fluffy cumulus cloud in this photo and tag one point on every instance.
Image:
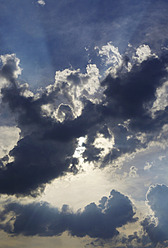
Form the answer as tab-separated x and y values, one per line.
96	221
142	53
76	87
157	198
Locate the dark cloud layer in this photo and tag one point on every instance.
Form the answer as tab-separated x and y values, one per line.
158	201
96	221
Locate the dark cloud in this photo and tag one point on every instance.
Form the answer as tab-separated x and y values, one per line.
45	150
78	127
96	221
125	110
158	201
46	147
36	160
137	239
127	94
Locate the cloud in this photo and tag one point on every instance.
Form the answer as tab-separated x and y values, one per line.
51	122
11	68
41	2
125	109
9	137
96	221
143	52
161	99
134	240
46	146
127	94
76	86
157	198
148	166
110	57
36	160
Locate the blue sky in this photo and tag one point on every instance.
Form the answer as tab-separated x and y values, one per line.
83	123
53	36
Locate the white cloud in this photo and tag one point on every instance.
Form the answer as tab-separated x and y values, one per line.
41	2
73	87
133	172
148	166
9	138
115	62
143	52
161	101
111	57
110	54
12	61
3	83
80	150
105	144
46	109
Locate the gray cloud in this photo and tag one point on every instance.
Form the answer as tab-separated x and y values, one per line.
96	221
46	148
125	110
36	160
157	198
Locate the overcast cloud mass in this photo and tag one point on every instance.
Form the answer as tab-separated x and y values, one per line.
84	112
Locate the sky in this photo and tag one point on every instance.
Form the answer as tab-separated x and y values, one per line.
83	123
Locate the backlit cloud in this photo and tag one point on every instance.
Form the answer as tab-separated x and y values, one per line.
51	122
157	198
96	221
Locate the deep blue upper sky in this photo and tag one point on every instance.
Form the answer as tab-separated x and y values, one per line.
53	37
